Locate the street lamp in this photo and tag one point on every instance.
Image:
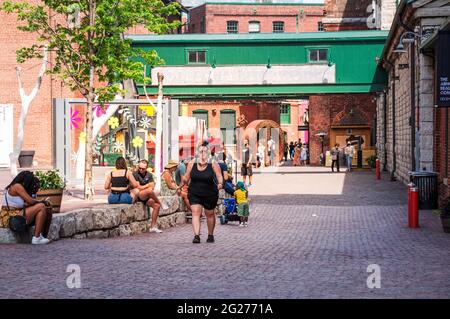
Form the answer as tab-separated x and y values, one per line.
322	135
406	37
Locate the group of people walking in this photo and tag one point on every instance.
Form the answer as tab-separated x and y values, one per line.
298	153
348	152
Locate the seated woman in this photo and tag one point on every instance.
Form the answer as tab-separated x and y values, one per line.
120	183
168	185
19	197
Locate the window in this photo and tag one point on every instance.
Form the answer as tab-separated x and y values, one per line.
232	26
320	26
202	26
228	126
254	27
285	114
278	26
197	56
318	55
201	115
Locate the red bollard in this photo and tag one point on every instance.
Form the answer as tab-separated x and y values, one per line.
414	211
377	169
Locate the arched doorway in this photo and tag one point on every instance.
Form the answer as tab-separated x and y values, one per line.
261	131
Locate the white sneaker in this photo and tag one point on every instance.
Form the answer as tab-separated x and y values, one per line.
155	230
39	240
241	225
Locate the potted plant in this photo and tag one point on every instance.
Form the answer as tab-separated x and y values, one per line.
444	213
52	186
371	161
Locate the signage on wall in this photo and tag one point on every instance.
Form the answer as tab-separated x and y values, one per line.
443	69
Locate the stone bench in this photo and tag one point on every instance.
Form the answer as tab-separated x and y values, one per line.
103	221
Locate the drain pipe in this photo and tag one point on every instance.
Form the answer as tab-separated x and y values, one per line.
394	155
413	107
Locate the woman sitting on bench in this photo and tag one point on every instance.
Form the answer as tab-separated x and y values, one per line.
119	183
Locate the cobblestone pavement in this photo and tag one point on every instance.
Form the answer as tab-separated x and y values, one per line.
312	234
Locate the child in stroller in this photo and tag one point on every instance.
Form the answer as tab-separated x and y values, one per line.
230	214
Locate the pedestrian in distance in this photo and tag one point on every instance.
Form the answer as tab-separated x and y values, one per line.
246	165
349	152
335	157
241	195
205	180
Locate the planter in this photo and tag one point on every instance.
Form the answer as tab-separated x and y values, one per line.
54	195
445	219
26	158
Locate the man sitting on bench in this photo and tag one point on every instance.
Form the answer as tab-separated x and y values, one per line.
146	193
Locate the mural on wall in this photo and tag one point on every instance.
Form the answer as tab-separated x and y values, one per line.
125	132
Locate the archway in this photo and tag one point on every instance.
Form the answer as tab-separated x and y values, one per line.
261	131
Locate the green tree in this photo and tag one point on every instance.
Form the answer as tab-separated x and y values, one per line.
92	53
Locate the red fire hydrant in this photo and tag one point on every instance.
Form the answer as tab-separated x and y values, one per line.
377	168
413	207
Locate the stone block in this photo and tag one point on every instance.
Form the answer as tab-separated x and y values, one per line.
98	234
124	230
426	100
79	236
139	227
84	220
140	212
426	155
172	203
68	225
115	232
106	218
426	128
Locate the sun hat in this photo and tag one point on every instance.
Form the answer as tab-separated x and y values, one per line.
240	185
171	164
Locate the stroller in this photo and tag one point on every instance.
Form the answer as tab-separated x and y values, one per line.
230	214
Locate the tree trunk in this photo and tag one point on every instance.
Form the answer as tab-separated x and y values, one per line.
26	102
88	187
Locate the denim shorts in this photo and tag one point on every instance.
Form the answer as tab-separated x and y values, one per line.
120	198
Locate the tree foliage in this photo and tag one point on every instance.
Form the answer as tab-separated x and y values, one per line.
74	40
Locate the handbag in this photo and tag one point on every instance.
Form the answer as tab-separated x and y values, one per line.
334	157
11	218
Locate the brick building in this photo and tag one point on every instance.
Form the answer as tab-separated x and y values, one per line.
255	17
358	14
411	130
331	75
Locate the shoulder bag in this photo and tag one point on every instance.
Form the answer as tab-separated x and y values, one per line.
16	222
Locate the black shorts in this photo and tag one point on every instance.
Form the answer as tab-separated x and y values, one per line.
208	202
246	170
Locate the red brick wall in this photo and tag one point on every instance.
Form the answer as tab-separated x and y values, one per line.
440	152
217	15
347	9
324	108
38	128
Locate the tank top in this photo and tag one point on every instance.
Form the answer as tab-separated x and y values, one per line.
12	201
203	182
119	181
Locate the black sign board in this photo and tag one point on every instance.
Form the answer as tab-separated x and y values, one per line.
443	69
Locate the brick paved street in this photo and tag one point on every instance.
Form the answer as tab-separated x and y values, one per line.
311	234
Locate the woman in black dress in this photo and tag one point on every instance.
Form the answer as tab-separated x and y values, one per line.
205	182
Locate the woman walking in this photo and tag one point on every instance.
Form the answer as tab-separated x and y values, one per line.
205	182
335	157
